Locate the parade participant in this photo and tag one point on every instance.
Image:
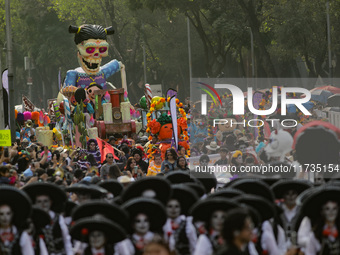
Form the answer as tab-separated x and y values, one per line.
97	232
92	148
27	131
211	211
178	230
151	187
52	199
15	208
147	216
322	208
113	187
288	190
237	232
170	160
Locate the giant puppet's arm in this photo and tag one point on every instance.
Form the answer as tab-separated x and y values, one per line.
71	78
111	68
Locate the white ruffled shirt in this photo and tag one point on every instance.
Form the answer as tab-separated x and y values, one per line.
268	240
126	246
24	242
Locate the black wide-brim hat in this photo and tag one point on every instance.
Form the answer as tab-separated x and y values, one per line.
19	202
110	211
279	188
198	187
40	218
112	186
313	203
254	214
95	191
317	143
159	185
54	192
304	195
227	193
69	207
152	208
203	209
83	227
254	187
265	208
176	177
185	196
208	180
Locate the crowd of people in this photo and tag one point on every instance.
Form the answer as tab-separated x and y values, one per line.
62	200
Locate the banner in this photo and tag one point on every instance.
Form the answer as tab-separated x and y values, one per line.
27	104
105	148
173	112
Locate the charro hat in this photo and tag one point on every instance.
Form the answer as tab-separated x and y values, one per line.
83	227
159	185
54	192
203	209
112	186
227	193
40	218
110	211
95	191
282	186
176	177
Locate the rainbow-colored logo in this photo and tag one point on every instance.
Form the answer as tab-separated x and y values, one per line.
209	93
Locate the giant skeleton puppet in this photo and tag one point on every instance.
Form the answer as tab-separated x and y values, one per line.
92	47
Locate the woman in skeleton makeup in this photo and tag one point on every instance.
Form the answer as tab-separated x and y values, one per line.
322	208
15	208
211	211
51	198
179	231
147	216
99	233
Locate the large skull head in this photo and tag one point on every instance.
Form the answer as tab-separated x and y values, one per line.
90	54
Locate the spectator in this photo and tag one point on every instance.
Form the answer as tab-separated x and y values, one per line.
223	160
182	163
105	168
138	155
114	172
154	169
170	160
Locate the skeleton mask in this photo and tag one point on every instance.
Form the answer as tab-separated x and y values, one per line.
97	239
90	54
330	211
217	220
6	216
141	224
43	202
173	209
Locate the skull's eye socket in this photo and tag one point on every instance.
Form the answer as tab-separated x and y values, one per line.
90	49
102	49
90	90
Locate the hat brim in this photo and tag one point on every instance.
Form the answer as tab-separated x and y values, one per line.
69	207
254	187
185	196
227	193
198	187
110	211
95	191
19	202
161	186
208	180
282	186
265	209
113	232
203	209
56	194
112	186
154	209
176	177
212	148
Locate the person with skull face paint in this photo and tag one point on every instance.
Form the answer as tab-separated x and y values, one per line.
178	230
322	208
147	217
92	47
15	208
52	199
288	190
212	212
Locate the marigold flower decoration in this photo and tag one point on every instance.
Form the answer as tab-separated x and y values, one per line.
153	126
